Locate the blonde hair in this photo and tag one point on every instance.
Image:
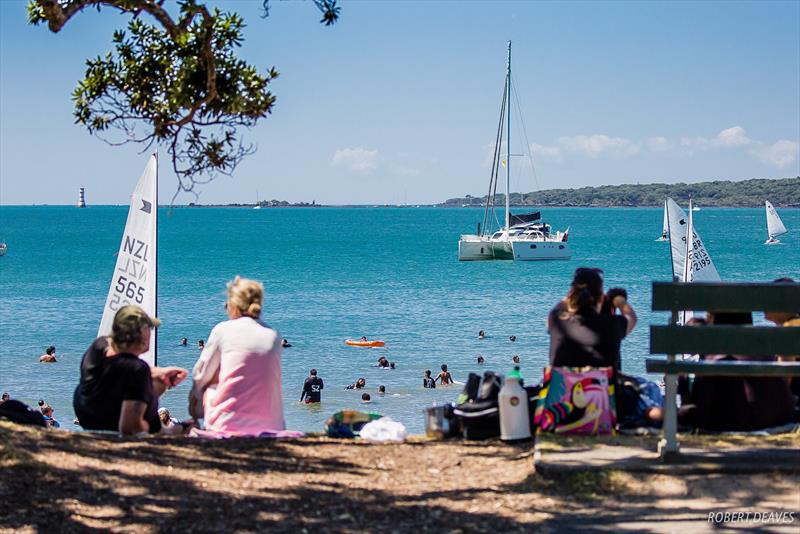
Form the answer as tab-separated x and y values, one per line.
246	296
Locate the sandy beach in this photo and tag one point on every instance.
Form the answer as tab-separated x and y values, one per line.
71	482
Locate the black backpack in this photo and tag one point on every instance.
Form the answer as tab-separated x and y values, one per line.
19	412
480	416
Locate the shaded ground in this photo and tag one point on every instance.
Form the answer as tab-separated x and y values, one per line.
67	482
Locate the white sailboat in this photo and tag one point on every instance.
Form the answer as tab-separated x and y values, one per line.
523	237
775	225
258	202
665	225
136	272
3	248
681	227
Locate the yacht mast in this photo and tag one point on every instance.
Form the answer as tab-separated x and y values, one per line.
508	140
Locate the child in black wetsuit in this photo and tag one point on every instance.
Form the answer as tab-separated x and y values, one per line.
427	381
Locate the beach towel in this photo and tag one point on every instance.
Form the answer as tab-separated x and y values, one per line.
221	434
576	401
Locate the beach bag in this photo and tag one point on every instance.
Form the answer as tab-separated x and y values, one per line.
348	423
20	413
576	400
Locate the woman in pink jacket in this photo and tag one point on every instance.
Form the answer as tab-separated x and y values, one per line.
237	380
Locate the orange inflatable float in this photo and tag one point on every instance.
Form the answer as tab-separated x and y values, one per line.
359	343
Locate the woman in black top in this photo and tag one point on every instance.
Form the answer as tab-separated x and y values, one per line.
584	332
118	391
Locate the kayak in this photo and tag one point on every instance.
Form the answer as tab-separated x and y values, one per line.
357	343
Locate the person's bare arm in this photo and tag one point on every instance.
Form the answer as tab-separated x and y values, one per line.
621	303
167	377
131	418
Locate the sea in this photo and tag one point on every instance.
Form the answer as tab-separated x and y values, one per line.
336	273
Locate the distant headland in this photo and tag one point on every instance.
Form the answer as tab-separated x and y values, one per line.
784	192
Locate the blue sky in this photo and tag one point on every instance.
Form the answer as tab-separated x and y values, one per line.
399	101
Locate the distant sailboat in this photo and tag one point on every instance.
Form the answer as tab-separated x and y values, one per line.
665	225
523	237
3	248
135	274
258	202
775	226
695	208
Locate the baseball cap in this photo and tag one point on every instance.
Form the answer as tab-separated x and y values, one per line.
132	319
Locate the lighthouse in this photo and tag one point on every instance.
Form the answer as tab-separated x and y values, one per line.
81	199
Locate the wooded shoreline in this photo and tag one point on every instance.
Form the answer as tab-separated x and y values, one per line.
784	192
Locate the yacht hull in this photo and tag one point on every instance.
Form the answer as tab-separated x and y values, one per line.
541	250
473	248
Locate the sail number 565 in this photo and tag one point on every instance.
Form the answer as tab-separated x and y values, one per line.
129	289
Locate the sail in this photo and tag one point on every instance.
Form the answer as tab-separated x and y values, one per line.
775	226
524	218
134	279
702	266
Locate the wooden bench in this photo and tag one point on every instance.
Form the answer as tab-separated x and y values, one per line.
748	340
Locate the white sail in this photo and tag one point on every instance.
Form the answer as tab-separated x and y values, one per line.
702	266
775	226
134	279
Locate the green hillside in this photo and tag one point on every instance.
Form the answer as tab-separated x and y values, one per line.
784	192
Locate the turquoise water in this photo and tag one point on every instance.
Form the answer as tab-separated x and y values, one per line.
332	274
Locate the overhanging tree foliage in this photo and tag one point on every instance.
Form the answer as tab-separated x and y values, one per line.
177	82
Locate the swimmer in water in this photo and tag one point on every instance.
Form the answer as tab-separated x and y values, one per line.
201	344
184	342
481	334
381	390
365	398
444	376
515	359
358	384
513	338
285	343
383	362
428	382
49	355
480	360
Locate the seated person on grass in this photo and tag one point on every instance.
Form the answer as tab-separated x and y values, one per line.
118	391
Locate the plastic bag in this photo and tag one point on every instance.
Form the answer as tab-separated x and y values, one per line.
384	430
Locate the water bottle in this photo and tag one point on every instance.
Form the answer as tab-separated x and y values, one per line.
515	422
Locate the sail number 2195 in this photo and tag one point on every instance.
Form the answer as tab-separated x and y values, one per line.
124	290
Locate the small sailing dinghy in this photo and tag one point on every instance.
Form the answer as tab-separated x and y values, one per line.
665	225
702	266
691	261
775	225
135	275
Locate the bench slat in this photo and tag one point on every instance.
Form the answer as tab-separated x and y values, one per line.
728	297
741	340
726	368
